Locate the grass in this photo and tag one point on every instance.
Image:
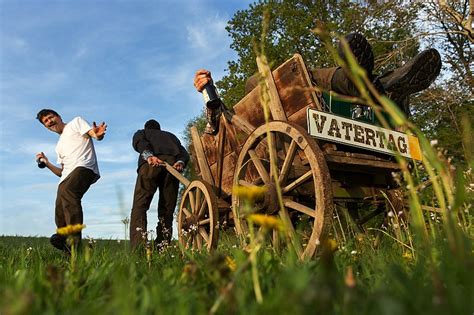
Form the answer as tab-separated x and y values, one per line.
361	277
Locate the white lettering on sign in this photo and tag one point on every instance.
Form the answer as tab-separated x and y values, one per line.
335	128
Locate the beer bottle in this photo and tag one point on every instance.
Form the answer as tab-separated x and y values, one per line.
211	98
41	163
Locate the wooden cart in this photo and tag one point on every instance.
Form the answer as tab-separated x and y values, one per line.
313	174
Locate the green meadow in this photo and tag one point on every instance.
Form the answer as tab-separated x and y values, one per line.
369	273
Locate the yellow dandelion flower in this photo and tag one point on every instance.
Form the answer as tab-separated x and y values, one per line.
230	263
330	245
70	229
148	253
266	221
249	192
407	255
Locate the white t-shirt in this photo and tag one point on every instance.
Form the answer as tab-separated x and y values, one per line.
75	148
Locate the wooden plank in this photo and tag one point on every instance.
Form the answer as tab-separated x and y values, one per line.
201	157
231	136
239	122
220	155
334	159
227	173
177	174
275	105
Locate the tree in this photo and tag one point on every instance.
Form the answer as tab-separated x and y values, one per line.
439	113
390	27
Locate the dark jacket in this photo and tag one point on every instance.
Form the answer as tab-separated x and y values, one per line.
162	144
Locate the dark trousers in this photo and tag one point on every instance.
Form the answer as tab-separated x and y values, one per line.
68	200
148	181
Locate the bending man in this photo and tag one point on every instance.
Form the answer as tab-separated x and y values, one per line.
155	146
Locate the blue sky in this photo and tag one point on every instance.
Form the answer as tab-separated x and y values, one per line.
122	62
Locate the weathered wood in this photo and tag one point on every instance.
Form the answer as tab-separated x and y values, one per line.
275	104
220	151
227	173
201	157
240	123
177	174
349	160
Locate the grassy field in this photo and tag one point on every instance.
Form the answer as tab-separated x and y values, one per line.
368	274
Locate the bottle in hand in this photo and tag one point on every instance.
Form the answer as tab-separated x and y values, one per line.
41	163
211	98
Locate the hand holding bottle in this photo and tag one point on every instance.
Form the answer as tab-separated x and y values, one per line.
41	159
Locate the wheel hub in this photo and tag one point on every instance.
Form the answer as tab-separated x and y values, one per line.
269	204
190	224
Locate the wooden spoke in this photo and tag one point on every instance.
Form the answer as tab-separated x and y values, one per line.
204	222
202	209
259	166
192	201
273	154
189	242
276	240
197	206
285	168
204	234
300	180
245	183
291	232
187	213
198	241
299	207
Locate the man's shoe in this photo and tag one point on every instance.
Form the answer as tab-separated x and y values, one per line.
416	75
361	49
59	242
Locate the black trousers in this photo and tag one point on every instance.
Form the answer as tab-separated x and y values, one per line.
149	179
68	200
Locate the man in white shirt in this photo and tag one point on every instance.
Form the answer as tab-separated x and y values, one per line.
78	167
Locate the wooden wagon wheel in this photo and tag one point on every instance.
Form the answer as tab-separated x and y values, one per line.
198	217
303	177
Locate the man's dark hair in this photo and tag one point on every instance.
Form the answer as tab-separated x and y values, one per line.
152	124
45	112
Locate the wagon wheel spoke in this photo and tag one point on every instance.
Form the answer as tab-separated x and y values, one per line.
204	222
189	242
245	183
187	213
285	169
202	209
204	234
276	240
299	207
198	241
273	154
197	206
259	166
291	232
300	180
192	201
